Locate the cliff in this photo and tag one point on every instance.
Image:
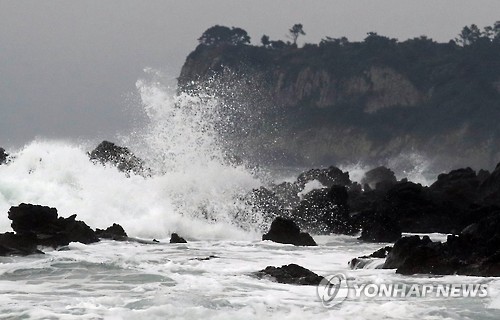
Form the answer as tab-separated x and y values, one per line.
370	101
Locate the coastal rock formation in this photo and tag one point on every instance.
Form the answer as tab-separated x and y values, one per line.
114	232
290	274
175	238
121	157
371	100
286	231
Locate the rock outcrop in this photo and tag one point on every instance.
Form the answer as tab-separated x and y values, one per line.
290	274
287	232
121	157
175	238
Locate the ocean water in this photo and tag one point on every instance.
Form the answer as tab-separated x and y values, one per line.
196	190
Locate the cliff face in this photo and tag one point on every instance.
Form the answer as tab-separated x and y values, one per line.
352	103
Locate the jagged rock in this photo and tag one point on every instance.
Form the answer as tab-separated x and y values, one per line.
286	231
49	229
489	189
114	232
327	177
457	189
325	211
380	178
121	157
291	274
3	156
175	238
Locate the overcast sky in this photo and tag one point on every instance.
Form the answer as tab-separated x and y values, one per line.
67	68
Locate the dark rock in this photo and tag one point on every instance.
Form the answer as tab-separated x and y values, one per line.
328	177
362	262
286	231
380	228
175	238
3	156
489	189
121	157
457	189
379	178
291	274
267	203
416	209
286	195
15	244
115	232
325	211
49	229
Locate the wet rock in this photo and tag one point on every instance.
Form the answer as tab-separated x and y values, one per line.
121	157
328	177
325	211
376	257
19	245
380	228
286	231
49	230
291	274
175	238
3	156
114	232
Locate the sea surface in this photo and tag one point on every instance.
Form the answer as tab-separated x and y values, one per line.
192	188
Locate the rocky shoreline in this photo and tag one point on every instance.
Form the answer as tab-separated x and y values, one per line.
461	203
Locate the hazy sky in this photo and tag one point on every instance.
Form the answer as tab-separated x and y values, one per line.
67	68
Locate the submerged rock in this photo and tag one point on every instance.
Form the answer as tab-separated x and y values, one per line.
175	238
376	257
121	157
286	231
291	274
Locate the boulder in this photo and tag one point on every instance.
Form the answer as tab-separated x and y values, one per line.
291	274
121	157
114	232
175	238
286	231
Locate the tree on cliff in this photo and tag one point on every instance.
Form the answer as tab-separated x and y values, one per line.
218	35
296	31
469	35
265	41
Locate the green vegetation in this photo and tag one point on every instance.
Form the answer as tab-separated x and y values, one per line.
455	85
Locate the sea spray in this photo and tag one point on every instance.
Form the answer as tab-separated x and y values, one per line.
195	189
